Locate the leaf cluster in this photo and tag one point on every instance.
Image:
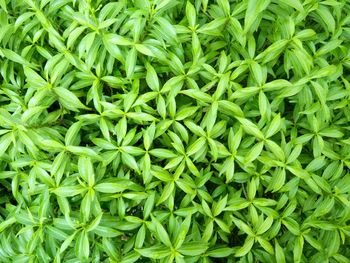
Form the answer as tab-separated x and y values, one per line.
174	131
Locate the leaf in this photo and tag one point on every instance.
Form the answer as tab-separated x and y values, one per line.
5	142
230	108
273	51
130	62
244	227
67	242
141	116
219	206
167	191
82	247
292	225
326	16
5	224
266	245
220	252
34	77
68	99
155	252
86	170
196	146
298	248
162	153
185	113
161	232
11	55
65	191
193	248
130	161
144	50
110	188
264	106
213	27
275	149
265	225
251	128
253	10
190	14
198	95
295	153
296	4
279	253
248	244
278	180
274	127
152	78
257	72
117	40
184	228
254	152
106	232
331	132
83	151
223	226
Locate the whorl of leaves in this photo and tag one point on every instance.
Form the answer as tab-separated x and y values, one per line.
172	130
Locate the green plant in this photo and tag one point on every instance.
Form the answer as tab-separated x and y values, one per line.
171	130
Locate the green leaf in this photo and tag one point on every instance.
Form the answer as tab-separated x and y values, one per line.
162	153
274	126
296	4
219	206
83	151
327	18
278	180
254	152
213	27
11	55
110	187
144	50
253	10
220	252
161	232
117	40
190	14
248	244
65	191
251	128
5	142
265	225
183	230
68	99
298	248
67	242
196	146
279	253
72	133
155	252
273	51
130	62
152	78
82	247
266	245
130	161
7	223
86	170
193	248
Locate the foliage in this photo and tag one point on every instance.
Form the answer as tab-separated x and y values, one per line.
172	130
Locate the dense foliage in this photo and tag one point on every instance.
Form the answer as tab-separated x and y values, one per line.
172	130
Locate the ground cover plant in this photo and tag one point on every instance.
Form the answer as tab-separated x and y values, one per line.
174	131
